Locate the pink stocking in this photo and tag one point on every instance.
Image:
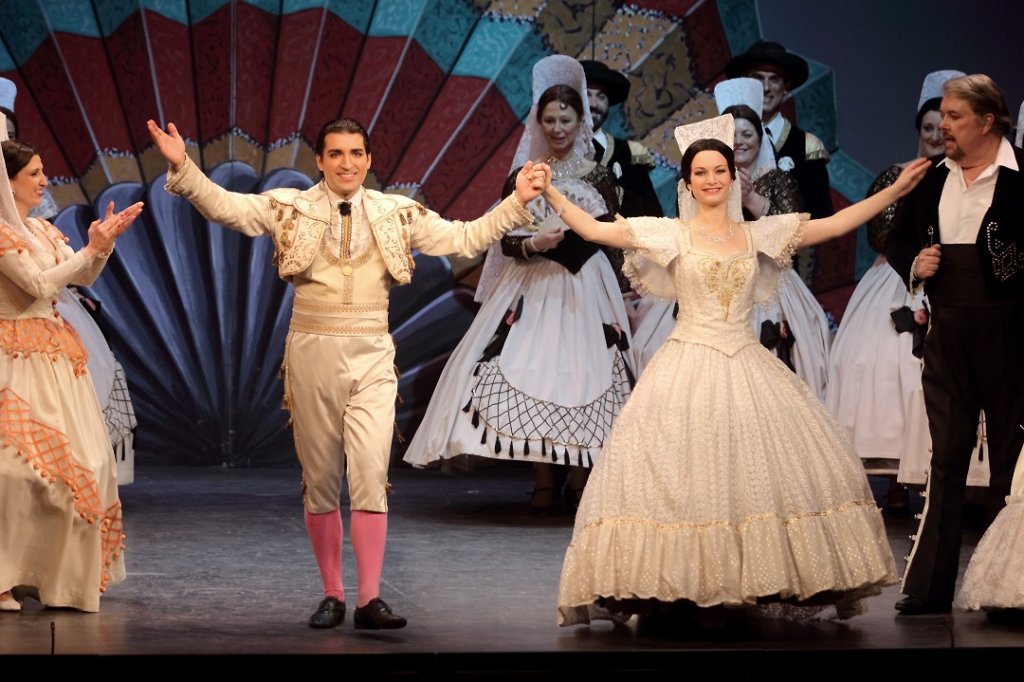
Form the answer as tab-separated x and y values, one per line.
325	532
369	533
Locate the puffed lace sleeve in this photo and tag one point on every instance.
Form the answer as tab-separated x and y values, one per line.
775	240
655	245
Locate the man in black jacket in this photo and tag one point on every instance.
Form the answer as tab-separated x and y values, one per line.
960	234
629	162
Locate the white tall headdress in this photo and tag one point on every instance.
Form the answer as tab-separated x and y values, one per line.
1020	124
8	91
720	128
932	85
750	92
558	69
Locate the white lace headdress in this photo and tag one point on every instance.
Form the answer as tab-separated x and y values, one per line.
8	209
750	92
720	128
533	146
932	85
558	69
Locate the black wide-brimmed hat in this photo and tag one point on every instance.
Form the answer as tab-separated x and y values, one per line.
768	52
615	85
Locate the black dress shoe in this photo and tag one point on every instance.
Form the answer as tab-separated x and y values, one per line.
915	606
329	614
376	615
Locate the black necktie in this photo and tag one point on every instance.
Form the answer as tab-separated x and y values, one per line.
598	151
345	208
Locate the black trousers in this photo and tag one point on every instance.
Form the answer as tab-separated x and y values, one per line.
973	361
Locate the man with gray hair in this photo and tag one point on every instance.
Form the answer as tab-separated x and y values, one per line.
960	234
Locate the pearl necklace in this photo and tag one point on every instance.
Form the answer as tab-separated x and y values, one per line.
715	238
565	168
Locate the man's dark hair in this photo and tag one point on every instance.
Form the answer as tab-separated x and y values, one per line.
341	125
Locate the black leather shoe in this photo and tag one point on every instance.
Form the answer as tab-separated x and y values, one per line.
329	614
915	606
376	615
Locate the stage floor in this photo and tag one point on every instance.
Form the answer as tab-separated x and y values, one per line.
218	563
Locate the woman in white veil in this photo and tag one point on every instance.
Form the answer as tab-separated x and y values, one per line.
57	474
543	371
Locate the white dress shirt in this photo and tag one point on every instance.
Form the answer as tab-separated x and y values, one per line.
361	234
963	207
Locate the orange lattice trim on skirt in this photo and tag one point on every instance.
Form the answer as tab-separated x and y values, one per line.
48	452
19	338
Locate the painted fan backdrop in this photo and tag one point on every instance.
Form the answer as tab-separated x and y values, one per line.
196	313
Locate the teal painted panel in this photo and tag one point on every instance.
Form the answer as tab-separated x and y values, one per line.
848	177
741	23
23	28
443	30
201	9
665	181
852	180
6	60
175	10
113	13
396	17
493	40
292	6
355	13
72	16
515	81
816	105
269	6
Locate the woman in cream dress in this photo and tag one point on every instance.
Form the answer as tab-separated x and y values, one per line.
57	472
725	482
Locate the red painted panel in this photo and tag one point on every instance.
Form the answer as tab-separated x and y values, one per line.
415	88
485	187
677	8
493	122
87	65
705	37
172	62
255	53
129	59
333	74
377	62
211	43
296	44
53	94
33	128
446	114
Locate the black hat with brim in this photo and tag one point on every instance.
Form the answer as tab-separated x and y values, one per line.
615	85
768	52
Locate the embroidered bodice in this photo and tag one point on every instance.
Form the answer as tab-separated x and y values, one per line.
716	294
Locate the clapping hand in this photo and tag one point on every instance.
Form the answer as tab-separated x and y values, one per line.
170	143
102	233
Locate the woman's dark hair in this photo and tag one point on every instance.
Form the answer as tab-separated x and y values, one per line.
929	105
747	114
12	118
17	155
562	94
341	125
706	145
